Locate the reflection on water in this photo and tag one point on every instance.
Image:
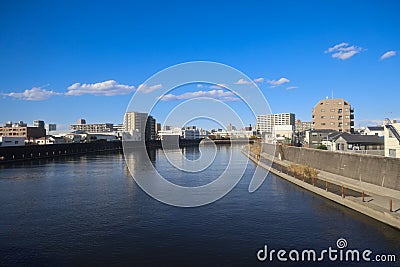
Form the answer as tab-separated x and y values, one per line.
89	211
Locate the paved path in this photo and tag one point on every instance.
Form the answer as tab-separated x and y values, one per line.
376	198
374	195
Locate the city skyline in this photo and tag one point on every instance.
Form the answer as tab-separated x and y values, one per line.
59	69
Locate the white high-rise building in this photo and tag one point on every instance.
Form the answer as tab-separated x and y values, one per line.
139	122
266	123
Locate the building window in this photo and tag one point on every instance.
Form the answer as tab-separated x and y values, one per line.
340	110
332	117
322	110
340	124
323	123
340	118
332	123
347	117
323	117
346	124
332	110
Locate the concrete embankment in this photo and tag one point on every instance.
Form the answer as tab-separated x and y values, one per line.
377	170
34	152
380	203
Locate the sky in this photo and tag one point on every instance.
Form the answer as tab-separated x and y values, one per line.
65	60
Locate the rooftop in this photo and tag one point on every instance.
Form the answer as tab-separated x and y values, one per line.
375	128
361	139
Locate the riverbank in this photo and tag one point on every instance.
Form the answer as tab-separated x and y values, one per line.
15	154
35	152
377	202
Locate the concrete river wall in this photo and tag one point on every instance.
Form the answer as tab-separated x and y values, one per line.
32	152
377	170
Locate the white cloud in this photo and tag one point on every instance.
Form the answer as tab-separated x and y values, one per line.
281	81
219	86
243	81
217	94
259	80
291	87
107	88
336	47
388	55
34	94
343	51
148	89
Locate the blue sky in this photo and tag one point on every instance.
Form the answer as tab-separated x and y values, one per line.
61	61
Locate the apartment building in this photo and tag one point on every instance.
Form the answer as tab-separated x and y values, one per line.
92	127
21	129
142	123
266	123
334	114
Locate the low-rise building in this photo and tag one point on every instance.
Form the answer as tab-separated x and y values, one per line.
283	134
6	141
357	143
374	130
50	140
392	139
119	128
80	136
169	132
188	132
315	138
234	134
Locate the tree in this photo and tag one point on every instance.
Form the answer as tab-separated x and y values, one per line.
322	147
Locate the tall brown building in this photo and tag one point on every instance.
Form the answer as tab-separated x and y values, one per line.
335	114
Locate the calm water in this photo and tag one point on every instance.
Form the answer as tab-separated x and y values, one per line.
88	211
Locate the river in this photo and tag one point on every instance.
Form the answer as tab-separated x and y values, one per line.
87	210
